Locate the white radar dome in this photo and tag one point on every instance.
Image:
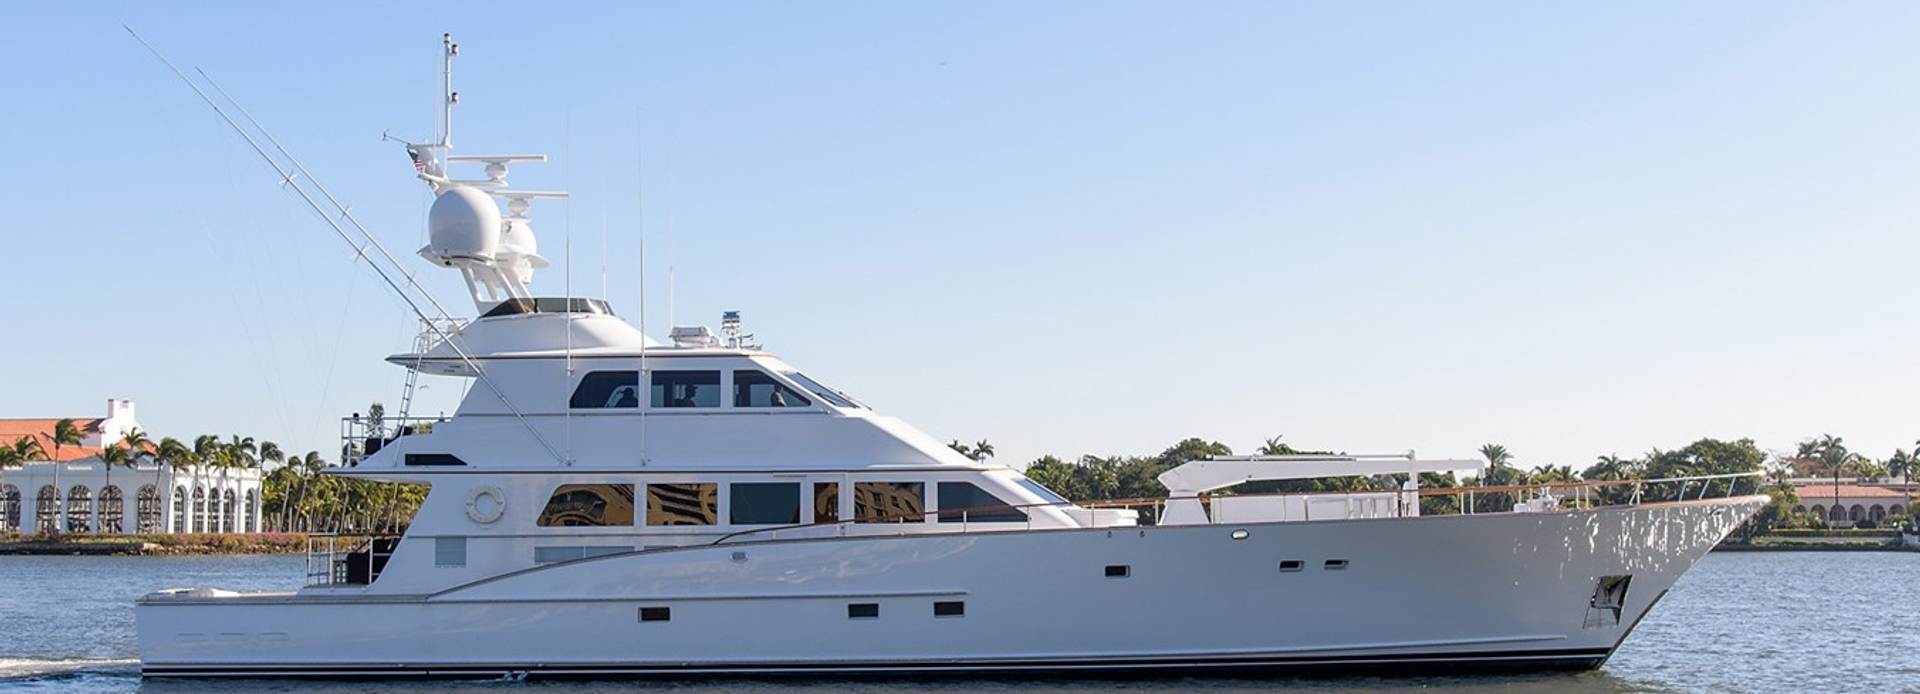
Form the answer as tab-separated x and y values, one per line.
463	224
519	252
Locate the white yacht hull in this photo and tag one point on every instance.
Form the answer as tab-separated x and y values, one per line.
1437	592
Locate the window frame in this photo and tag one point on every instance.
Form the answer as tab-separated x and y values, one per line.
801	499
720	505
580	385
732	389
634	504
723	381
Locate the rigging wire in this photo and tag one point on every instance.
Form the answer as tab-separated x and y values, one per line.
289	179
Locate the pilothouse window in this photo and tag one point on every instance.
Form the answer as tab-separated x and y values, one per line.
686	389
828	394
574	505
757	389
607	389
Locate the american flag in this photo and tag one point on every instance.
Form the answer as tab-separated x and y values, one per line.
419	165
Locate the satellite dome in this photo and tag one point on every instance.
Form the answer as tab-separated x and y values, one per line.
463	224
518	242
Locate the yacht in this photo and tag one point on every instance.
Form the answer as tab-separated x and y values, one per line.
602	504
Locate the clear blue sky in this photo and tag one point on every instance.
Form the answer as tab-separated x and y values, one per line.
1065	227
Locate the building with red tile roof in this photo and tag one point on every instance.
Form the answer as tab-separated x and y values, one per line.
1845	504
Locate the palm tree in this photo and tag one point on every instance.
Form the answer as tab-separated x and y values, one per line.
1496	455
1902	464
1274	446
64	434
1829	455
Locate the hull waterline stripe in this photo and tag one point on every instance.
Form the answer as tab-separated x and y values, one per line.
1585	656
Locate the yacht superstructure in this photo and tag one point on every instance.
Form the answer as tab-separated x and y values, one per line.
605	505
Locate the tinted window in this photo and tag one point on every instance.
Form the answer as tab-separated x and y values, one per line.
607	389
589	505
826	502
764	503
757	389
825	393
1045	494
686	389
683	504
962	501
889	502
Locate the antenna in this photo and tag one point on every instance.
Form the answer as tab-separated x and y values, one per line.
640	229
289	180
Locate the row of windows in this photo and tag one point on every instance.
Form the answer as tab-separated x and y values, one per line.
769	503
855	610
685	389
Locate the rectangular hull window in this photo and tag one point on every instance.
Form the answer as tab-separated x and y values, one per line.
863	610
963	501
600	389
449	551
656	614
757	389
954	608
686	389
826	502
692	503
764	503
889	502
574	505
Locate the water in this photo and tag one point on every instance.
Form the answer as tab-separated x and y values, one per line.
1749	622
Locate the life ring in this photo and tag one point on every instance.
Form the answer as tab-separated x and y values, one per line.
486	504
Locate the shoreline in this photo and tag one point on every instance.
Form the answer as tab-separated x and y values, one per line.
158	545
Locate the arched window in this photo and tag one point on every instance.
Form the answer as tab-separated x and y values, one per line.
226	511
1837	513
1801	508
1856	513
199	509
247	519
46	512
179	509
147	510
1877	513
1819	511
9	508
79	509
111	508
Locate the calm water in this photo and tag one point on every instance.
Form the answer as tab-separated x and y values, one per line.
1761	622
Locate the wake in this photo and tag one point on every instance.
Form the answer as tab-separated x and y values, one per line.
29	668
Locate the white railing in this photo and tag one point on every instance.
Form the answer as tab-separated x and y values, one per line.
1521	498
342	560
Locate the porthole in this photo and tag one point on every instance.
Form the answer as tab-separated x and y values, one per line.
1239	534
485	504
1291	565
1336	565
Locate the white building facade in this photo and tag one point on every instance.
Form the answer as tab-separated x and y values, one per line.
84	497
79	494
